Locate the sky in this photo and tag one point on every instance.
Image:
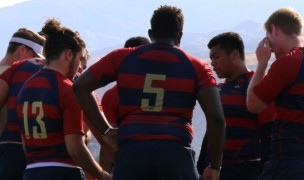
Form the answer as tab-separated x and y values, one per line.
5	3
204	16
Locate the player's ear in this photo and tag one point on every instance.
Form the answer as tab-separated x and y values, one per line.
68	55
150	33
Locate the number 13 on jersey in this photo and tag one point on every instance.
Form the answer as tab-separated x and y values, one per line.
37	109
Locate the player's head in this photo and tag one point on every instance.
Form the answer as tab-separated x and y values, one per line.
167	23
65	44
229	41
26	44
283	23
136	41
287	20
226	53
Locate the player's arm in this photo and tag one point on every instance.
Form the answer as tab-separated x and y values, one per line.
4	88
263	53
254	104
106	157
82	156
209	100
83	88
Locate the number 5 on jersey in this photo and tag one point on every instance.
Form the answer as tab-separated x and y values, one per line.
159	92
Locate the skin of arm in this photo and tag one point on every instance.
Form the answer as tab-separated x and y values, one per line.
4	88
83	88
82	156
263	53
209	100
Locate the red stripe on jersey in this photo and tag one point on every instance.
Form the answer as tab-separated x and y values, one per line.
52	139
242	123
39	82
233	99
290	115
233	144
50	111
156	137
13	127
11	103
297	89
159	56
171	84
21	76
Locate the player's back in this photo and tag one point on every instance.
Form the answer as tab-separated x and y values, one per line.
15	76
41	119
157	86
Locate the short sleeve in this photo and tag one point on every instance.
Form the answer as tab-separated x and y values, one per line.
72	113
280	75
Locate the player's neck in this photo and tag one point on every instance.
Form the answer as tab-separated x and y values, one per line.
8	60
241	69
57	65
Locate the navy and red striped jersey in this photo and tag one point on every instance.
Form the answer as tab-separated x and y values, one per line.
15	76
284	83
247	134
243	133
47	111
157	87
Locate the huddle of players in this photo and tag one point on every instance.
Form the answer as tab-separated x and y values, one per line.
150	107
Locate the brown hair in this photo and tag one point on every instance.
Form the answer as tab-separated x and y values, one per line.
25	34
287	19
60	38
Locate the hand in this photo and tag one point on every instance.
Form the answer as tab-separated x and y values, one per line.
210	174
111	138
263	51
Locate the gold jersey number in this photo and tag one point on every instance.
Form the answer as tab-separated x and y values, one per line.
159	92
37	109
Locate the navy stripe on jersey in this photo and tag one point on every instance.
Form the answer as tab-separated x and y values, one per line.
240	111
291	101
171	99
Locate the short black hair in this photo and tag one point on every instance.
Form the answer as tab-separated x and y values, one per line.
167	22
228	41
136	41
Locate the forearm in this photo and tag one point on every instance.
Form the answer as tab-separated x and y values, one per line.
257	77
106	157
254	104
3	119
216	139
91	110
85	160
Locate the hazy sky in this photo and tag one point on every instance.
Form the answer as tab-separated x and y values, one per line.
209	15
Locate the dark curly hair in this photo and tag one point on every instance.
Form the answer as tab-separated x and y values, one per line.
167	22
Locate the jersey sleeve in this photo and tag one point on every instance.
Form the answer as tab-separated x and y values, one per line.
280	75
204	75
72	113
8	74
104	70
268	114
